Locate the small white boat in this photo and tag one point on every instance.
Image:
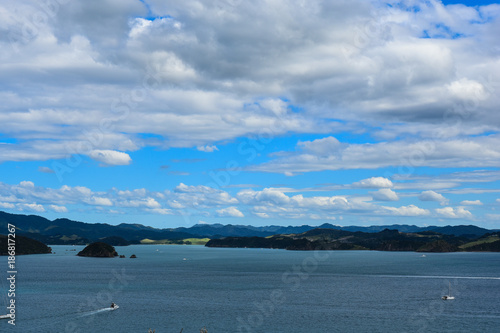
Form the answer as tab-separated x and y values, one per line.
113	306
448	297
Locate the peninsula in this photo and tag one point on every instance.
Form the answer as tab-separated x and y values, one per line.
24	245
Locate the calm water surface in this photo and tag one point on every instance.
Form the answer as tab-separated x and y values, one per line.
168	288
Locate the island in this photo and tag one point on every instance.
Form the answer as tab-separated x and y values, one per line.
385	240
23	245
98	250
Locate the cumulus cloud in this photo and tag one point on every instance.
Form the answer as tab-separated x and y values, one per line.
146	202
272	202
161	211
374	182
45	170
229	212
210	74
269	195
182	200
470	152
454	213
7	205
385	194
201	196
27	184
277	203
99	201
207	149
322	147
31	207
471	203
432	196
110	157
410	210
58	209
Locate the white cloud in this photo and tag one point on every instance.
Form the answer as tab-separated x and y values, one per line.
269	195
244	83
471	203
176	204
410	210
201	196
58	209
385	194
110	157
32	207
321	147
467	89
432	196
7	205
45	170
27	184
146	202
229	212
161	211
272	202
99	201
454	213
374	182
207	149
481	151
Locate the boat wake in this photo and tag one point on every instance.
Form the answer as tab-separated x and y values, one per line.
438	277
93	312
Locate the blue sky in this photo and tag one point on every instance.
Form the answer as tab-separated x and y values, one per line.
177	113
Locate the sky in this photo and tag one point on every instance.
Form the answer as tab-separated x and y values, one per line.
267	112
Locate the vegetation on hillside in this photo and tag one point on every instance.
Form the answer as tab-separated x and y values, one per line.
23	245
331	239
186	241
98	249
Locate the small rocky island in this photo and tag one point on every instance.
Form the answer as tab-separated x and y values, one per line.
23	245
98	250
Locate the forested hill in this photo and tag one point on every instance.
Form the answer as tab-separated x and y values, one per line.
386	240
23	245
65	231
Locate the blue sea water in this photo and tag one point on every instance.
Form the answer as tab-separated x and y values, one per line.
169	288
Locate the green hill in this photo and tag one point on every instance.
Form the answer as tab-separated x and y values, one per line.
98	249
24	245
331	239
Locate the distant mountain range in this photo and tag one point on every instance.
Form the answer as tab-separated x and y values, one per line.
65	231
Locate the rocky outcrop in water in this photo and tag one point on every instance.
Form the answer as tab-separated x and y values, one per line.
98	250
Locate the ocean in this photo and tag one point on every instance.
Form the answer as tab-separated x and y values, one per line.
170	288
